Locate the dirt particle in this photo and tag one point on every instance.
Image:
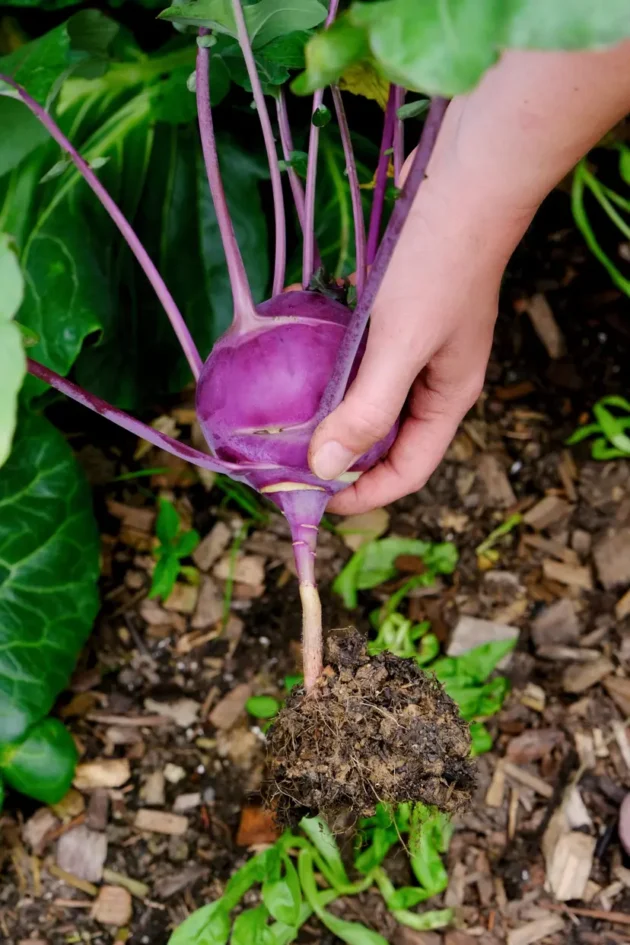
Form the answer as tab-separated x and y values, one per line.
374	730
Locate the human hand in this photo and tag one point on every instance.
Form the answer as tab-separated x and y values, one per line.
499	152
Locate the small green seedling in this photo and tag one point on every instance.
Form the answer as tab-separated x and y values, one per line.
375	562
175	545
263	707
612	440
401	637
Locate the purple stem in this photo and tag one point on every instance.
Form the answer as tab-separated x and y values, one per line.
308	255
287	147
116	214
122	419
244	310
378	200
270	145
355	192
333	395
399	135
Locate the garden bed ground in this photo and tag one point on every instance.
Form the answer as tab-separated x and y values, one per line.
171	800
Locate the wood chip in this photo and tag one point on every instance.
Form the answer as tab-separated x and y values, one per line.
82	852
585	747
228	711
105	772
141	519
548	511
535	931
612	559
533	744
112	906
357	530
551	547
568	857
545	325
521	776
70	806
580	677
154	615
534	697
182	599
571	575
622	607
618	688
496	790
37	828
184	712
499	492
184	802
209	608
257	827
210	549
158	821
246	569
152	790
619	731
581	542
97	813
556	624
569	654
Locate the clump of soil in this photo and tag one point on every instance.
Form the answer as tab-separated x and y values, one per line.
374	729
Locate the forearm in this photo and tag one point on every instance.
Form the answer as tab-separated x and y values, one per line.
504	146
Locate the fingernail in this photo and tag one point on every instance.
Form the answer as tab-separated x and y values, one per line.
332	459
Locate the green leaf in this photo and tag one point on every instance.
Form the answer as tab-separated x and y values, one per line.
374	563
444	48
12	360
164	575
49	565
262	707
40	65
282	895
266	20
250	928
481	739
209	925
27	133
353	933
329	54
42	764
290	682
186	543
167	522
322	838
475	665
413	109
254	871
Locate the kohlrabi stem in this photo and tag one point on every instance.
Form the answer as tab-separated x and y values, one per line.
287	148
399	135
116	214
303	509
270	145
355	191
308	254
244	310
335	390
143	430
378	200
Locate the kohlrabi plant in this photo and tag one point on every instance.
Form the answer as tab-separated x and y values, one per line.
282	365
611	429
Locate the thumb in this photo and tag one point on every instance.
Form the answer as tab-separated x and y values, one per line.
367	413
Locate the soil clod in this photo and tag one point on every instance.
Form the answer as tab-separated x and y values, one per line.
374	729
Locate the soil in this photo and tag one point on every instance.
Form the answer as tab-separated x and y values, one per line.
152	684
374	729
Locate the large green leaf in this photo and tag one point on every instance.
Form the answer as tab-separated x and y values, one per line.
49	563
445	46
266	20
12	360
